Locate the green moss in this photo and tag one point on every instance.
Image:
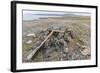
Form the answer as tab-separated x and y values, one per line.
27	47
38	56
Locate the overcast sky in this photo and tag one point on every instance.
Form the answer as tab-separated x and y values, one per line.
31	15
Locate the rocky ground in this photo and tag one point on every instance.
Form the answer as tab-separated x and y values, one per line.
72	44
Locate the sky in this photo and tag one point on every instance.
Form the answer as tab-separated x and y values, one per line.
32	15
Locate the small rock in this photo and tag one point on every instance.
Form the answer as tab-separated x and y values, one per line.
64	55
66	50
29	42
31	35
85	51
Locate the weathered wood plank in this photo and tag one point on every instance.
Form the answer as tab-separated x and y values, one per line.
37	48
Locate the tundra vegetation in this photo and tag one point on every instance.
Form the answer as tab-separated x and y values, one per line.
69	41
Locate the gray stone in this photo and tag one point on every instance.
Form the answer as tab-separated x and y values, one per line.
85	51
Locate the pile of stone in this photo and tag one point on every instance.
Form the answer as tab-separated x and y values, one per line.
56	46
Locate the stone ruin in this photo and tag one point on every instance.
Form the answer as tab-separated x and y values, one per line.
56	47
